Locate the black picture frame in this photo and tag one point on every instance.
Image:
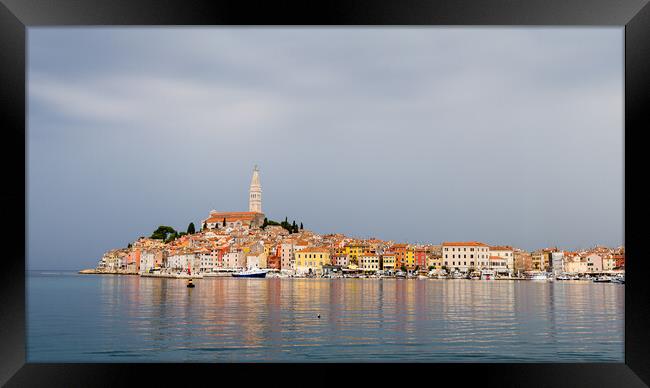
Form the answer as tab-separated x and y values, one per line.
17	15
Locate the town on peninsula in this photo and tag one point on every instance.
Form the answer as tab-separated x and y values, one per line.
227	243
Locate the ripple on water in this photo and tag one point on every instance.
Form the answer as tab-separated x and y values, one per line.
112	318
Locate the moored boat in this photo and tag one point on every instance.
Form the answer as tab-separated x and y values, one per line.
251	273
602	279
540	276
487	274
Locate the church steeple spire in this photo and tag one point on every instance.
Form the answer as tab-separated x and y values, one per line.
255	192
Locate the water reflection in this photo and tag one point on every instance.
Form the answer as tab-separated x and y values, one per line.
129	318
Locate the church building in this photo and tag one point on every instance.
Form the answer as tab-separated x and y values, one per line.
252	218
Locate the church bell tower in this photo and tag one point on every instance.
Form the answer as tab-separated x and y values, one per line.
255	193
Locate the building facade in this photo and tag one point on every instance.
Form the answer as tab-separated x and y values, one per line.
465	255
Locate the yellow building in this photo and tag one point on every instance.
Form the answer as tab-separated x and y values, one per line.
311	259
434	261
353	251
388	261
409	258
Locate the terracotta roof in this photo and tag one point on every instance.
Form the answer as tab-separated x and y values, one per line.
314	249
501	248
465	244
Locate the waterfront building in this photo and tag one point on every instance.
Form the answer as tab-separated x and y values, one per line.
286	255
434	260
400	254
499	265
619	260
147	261
523	261
575	265
369	263
505	252
183	260
609	263
557	262
388	261
234	260
420	257
340	260
465	255
539	260
311	260
256	261
273	262
354	250
594	263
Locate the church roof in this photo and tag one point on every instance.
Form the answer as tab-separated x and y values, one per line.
232	216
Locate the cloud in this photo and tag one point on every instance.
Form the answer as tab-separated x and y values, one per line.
444	132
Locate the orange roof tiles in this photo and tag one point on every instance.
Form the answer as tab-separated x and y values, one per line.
465	244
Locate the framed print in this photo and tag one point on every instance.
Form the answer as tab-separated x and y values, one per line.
420	190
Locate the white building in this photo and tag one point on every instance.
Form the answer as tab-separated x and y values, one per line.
234	260
254	261
208	262
369	263
465	255
184	260
147	261
557	262
594	263
507	253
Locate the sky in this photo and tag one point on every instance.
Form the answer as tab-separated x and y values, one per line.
501	135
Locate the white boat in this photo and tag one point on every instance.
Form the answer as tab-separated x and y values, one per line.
251	273
457	275
602	279
487	274
540	276
618	279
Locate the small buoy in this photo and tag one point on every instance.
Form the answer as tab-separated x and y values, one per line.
318	316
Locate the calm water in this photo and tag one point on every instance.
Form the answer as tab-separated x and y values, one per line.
93	318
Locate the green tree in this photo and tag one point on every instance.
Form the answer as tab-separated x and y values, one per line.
431	268
266	223
224	222
190	228
301	228
403	268
129	246
163	232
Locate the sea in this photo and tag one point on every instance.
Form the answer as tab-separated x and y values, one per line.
120	318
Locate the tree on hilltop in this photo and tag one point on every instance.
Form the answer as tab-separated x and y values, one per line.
190	228
163	232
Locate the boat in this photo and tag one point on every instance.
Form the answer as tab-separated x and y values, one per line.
457	275
562	277
618	279
251	273
539	276
190	284
487	274
602	279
